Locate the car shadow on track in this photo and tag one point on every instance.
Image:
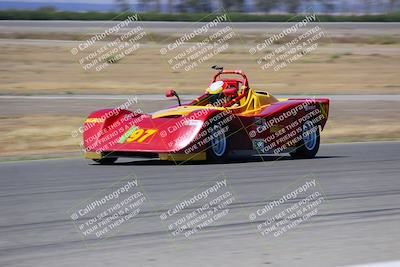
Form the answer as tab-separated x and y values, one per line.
157	162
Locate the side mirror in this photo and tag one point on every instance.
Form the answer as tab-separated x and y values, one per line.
171	93
230	92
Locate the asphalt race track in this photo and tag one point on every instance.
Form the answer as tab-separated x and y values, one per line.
358	223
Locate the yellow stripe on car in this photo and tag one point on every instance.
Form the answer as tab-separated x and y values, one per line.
94	120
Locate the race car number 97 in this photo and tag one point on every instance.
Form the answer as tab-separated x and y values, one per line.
137	135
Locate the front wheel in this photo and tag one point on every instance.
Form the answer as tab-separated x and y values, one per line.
219	145
308	146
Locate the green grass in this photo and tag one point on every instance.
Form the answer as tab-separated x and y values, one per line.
335	56
113	59
385	40
49	14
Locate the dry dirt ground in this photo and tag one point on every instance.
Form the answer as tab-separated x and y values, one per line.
47	67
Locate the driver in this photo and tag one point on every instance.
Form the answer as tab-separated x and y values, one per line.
216	94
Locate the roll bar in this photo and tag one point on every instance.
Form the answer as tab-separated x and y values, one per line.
245	82
238	72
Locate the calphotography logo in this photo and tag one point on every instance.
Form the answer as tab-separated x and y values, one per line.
296	205
290	45
107	212
200	44
110	46
99	135
199	210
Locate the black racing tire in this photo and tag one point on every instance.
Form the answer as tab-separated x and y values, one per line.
105	161
308	146
218	148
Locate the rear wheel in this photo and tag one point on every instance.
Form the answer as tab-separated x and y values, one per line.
219	145
308	147
105	161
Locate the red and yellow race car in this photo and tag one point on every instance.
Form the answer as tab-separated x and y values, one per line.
229	120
